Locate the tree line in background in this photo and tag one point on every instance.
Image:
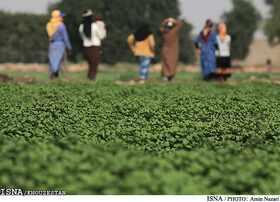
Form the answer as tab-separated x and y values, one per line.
242	22
24	39
122	17
272	24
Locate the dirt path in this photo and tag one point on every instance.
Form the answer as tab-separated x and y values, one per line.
32	80
12	67
121	67
23	80
137	82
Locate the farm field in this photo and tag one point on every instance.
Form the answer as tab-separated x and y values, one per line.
104	138
154	76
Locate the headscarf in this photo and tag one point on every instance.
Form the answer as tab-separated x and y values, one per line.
207	31
57	19
142	32
168	27
87	21
222	31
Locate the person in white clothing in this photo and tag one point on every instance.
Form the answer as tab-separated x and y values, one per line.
91	36
223	69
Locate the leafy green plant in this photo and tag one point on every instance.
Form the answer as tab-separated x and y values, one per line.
146	139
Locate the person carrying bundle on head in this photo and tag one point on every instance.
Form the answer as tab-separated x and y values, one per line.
91	36
170	51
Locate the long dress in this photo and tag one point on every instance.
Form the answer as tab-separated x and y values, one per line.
57	47
170	50
208	57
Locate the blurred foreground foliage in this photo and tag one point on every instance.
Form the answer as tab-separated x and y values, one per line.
103	138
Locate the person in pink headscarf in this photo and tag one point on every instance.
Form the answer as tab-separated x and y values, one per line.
223	70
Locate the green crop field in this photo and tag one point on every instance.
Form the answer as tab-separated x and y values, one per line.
103	138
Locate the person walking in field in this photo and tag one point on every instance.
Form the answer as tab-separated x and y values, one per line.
58	37
91	36
142	44
269	65
170	51
206	45
223	70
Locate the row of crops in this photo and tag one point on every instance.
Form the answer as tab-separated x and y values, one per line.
105	138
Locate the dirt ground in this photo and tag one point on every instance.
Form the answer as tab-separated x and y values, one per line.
136	81
23	80
238	67
12	67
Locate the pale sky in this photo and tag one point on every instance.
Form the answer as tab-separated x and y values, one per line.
194	11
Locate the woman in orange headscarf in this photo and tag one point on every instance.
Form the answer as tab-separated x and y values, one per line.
223	70
58	38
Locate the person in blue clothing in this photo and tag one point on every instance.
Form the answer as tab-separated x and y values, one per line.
206	45
59	39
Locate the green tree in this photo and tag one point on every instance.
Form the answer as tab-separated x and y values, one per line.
122	17
22	34
242	22
272	24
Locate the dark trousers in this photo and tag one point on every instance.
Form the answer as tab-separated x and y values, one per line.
93	57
